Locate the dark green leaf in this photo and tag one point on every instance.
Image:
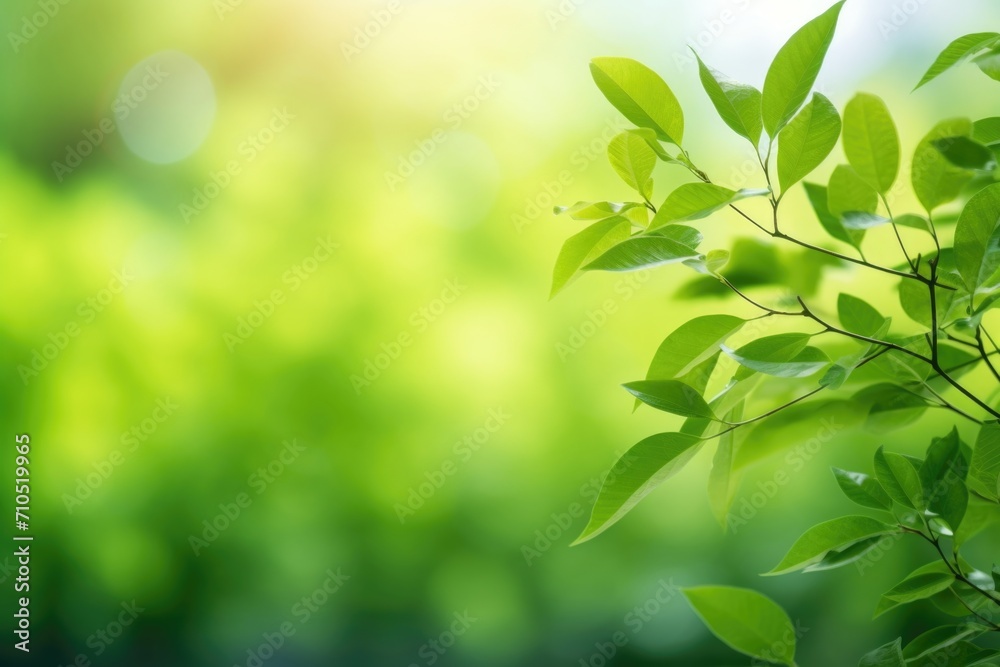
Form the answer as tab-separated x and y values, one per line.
966	153
977	239
889	655
937	181
984	470
818	198
939	638
899	478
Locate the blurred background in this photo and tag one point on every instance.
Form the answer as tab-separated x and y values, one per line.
276	319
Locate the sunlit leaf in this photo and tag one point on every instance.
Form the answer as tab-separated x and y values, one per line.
633	160
959	50
871	142
693	201
794	70
738	104
644	467
822	538
640	95
807	140
585	246
746	621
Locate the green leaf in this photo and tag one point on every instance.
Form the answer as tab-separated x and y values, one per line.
914	222
939	638
899	478
671	396
942	477
690	344
807	140
966	153
989	63
723	479
857	316
640	95
987	131
862	489
914	587
642	252
960	654
959	50
807	362
795	68
769	352
806	424
649	136
977	239
633	160
586	246
888	655
738	105
818	198
746	621
711	263
841	557
589	210
829	535
693	201
984	470
937	181
871	141
849	193
644	467
890	406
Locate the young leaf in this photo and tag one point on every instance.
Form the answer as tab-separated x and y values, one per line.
640	95
690	344
633	160
795	68
966	153
746	621
862	489
937	181
961	49
600	210
738	105
587	245
829	535
641	252
984	470
914	587
889	655
807	140
644	467
871	142
977	239
671	396
693	201
899	478
849	193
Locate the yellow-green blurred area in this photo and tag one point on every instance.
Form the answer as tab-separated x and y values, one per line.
277	323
